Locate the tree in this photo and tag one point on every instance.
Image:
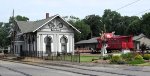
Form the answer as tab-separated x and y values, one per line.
18	18
145	24
112	20
81	26
94	22
134	26
4	32
84	28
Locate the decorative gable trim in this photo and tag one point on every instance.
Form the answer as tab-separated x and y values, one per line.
45	23
70	25
54	18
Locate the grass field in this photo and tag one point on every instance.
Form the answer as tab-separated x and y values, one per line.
144	64
88	57
83	57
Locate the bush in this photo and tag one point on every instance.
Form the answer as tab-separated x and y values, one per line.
121	62
127	56
116	59
146	56
138	59
107	57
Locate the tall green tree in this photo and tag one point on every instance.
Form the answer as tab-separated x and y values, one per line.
112	20
145	24
81	26
134	27
95	24
5	30
84	29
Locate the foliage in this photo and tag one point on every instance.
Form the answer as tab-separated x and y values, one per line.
138	59
144	64
145	24
18	18
134	26
117	59
94	22
82	26
136	62
107	57
5	29
127	56
4	32
112	20
146	56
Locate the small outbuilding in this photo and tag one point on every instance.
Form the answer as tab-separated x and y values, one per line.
141	39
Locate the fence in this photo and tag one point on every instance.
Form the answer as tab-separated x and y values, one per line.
54	56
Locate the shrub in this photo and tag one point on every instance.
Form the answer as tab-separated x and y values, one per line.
116	59
107	57
138	57
121	62
127	56
146	56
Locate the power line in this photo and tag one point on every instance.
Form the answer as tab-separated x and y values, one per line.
127	5
142	12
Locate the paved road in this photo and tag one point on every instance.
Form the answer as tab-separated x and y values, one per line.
18	69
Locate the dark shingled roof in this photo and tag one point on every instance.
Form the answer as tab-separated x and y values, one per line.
138	37
92	40
30	26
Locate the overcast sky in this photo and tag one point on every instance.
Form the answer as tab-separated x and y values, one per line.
36	9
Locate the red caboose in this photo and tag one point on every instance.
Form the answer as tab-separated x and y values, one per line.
116	42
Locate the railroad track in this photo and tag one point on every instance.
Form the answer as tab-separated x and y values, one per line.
77	68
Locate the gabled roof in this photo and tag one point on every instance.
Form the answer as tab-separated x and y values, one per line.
138	37
32	26
142	39
92	40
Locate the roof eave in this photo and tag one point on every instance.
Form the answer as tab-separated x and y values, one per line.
45	23
62	19
70	25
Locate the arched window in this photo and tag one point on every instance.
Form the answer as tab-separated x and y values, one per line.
63	41
48	41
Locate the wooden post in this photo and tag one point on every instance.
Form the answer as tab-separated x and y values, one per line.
79	57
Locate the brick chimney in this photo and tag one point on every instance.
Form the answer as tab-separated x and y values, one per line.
47	15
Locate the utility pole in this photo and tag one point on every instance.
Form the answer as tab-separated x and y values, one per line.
103	41
12	32
13	13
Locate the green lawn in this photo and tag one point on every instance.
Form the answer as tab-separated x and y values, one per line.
88	58
144	64
83	57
